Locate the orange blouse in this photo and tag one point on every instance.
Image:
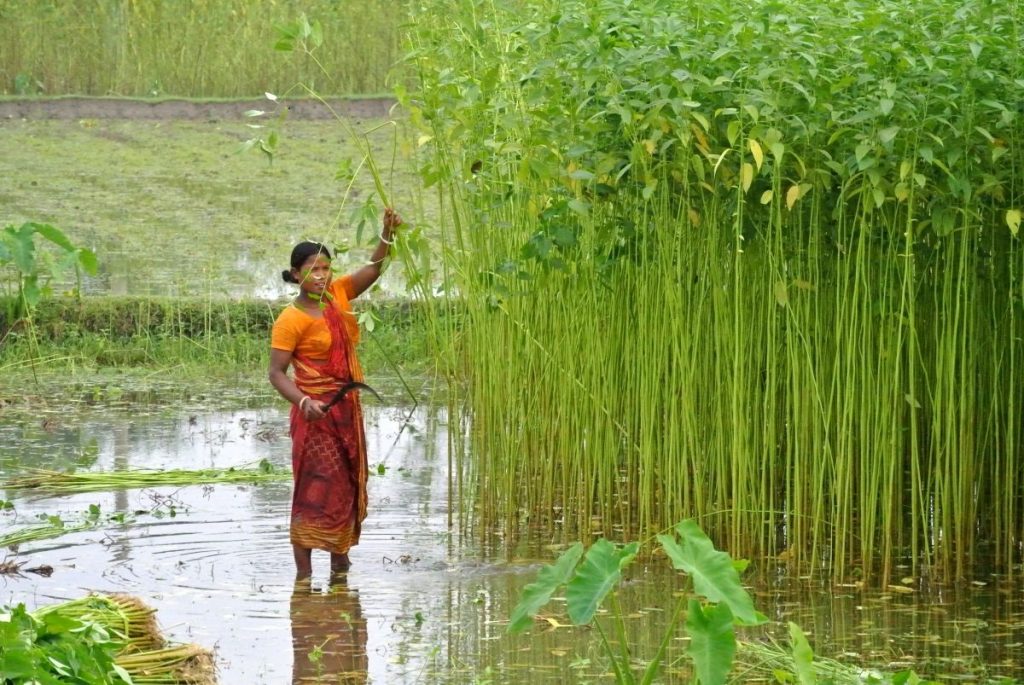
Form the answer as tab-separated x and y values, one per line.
297	332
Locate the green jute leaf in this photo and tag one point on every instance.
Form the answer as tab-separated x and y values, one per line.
712	641
1013	217
580	207
122	674
781	293
538	593
713	573
599	573
887	134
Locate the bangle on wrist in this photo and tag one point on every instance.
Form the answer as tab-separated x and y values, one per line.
304	398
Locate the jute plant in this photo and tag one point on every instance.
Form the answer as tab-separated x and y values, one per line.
753	264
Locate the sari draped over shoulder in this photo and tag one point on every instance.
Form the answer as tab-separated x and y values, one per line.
329	455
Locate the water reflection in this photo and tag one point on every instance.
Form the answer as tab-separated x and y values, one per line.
328	633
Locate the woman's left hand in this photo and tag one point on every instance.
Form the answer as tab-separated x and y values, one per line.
391	221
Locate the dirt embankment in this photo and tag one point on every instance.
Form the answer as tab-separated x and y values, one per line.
192	110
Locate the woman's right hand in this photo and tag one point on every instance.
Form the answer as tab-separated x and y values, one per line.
312	410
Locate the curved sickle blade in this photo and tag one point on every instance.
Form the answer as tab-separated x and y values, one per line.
349	387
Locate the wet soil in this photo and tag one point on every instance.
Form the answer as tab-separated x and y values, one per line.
75	108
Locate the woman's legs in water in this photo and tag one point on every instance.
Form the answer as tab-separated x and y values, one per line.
303	562
339	562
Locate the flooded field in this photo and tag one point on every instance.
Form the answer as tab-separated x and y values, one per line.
419	605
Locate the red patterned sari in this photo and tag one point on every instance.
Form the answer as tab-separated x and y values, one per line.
329	455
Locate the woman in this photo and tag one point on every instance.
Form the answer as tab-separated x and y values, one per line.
316	335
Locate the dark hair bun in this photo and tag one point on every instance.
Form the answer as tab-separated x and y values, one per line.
287	276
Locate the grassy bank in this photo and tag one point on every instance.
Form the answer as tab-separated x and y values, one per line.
147	342
196	48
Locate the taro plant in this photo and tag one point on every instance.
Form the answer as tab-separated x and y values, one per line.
26	271
717	605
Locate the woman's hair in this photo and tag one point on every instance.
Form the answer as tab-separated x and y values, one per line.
300	254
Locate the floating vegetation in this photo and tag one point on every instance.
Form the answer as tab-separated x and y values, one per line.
773	662
41	531
98	639
55	525
67	483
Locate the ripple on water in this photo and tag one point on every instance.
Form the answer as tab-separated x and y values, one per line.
220	570
415	607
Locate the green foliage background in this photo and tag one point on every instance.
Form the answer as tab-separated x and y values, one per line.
192	48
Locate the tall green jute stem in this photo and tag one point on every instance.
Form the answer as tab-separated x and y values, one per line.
738	411
917	498
620	676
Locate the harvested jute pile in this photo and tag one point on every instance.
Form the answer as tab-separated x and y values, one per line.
102	639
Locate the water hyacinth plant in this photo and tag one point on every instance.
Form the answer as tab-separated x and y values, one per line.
756	264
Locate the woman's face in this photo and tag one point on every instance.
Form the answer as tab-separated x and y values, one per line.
314	276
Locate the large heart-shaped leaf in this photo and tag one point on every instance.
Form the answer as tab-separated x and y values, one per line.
538	593
712	641
714	575
20	247
600	571
54	235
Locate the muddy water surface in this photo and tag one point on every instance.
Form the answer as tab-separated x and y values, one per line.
418	605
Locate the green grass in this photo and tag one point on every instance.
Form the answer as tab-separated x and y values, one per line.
200	48
129	344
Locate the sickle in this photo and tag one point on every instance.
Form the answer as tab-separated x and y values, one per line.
346	389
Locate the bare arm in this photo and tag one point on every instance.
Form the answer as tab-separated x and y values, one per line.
366	276
282	382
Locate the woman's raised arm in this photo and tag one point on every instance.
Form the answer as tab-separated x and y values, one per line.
366	276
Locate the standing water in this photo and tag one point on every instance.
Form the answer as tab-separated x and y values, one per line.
418	605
